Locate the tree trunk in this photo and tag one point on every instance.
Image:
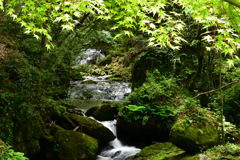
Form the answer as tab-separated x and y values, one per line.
43	49
221	99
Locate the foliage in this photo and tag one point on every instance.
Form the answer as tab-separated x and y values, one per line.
161	21
36	18
157	98
226	151
232	103
9	154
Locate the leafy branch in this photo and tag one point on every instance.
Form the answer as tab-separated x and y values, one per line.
214	90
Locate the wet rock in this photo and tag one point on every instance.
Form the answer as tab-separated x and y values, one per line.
102	112
158	151
92	128
152	130
2	146
116	154
69	145
27	133
196	136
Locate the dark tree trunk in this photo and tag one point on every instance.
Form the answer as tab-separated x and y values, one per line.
43	49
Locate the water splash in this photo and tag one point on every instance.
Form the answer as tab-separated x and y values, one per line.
116	150
100	88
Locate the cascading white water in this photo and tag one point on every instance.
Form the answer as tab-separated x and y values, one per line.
89	56
116	150
101	89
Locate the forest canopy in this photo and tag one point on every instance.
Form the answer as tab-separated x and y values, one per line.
162	21
181	57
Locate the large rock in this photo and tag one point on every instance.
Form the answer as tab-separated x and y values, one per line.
27	133
92	128
102	112
196	136
59	117
151	131
68	145
2	146
159	151
148	62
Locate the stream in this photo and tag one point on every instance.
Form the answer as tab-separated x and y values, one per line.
94	90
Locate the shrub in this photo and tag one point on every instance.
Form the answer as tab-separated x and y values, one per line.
159	97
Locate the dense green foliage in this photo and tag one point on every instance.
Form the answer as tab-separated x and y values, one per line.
193	44
159	97
8	153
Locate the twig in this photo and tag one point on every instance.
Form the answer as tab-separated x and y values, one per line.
199	94
76	128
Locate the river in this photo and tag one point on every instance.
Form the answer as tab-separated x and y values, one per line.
94	90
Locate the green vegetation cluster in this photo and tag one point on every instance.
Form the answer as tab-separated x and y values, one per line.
169	151
159	97
189	51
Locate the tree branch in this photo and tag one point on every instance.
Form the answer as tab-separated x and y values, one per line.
199	94
234	2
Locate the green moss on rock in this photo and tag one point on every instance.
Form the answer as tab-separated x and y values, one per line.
68	145
75	145
196	136
92	128
102	112
159	151
27	133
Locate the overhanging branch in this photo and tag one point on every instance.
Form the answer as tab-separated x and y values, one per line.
199	94
234	2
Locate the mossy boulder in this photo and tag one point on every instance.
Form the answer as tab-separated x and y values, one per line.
69	145
92	128
2	146
196	136
159	151
152	130
59	117
105	61
102	112
27	133
148	62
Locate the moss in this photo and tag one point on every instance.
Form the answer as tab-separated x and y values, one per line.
102	112
159	151
226	151
61	109
194	137
92	128
76	145
27	133
2	146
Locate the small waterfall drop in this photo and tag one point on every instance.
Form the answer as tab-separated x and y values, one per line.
116	150
92	91
99	88
89	57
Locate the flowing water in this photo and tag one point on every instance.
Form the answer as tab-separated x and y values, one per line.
94	90
99	88
116	150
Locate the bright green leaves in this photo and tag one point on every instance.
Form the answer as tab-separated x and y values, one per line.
149	17
38	16
221	22
1	5
162	21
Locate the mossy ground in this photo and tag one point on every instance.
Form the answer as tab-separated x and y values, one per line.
167	150
159	151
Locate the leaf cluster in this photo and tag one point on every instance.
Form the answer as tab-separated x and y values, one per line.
7	153
157	98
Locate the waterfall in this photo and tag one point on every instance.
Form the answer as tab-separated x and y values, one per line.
116	150
92	91
89	57
99	89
